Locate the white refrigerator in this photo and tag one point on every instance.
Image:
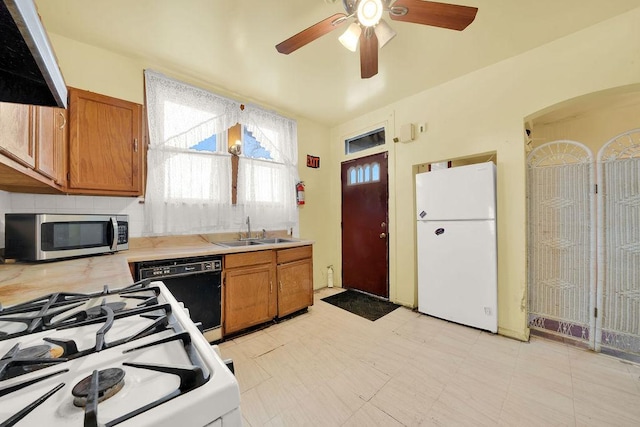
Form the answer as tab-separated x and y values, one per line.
457	248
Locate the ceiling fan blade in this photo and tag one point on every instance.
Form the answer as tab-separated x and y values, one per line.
310	34
444	15
368	54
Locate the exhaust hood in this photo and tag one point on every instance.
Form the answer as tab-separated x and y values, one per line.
29	72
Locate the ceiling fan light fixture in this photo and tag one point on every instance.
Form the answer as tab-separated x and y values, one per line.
350	38
384	33
369	12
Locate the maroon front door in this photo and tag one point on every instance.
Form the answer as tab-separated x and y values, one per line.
365	249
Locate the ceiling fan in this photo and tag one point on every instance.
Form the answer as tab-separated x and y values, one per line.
372	32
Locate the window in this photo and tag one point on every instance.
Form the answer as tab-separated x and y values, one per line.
252	147
363	174
208	144
189	179
365	141
267	175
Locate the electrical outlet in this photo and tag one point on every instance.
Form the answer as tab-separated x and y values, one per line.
487	311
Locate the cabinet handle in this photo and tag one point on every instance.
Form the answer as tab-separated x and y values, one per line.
280	285
64	120
271	286
135	144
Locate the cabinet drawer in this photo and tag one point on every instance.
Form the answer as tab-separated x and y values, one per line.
248	258
294	254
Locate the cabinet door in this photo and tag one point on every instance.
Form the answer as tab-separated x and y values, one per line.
295	286
51	139
249	297
16	133
104	144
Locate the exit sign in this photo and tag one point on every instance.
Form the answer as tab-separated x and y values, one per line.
313	162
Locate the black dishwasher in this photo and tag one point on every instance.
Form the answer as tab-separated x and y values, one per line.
194	281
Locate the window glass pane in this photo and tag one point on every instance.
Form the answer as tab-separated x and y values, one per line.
263	179
179	119
352	176
252	148
364	141
376	172
208	144
360	174
367	173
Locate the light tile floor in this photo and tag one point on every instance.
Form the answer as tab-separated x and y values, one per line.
330	367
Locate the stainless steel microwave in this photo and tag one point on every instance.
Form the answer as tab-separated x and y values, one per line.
41	237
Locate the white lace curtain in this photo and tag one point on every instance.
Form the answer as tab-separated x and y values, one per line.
189	191
266	189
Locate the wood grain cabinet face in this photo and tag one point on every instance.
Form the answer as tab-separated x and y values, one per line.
51	141
105	145
249	290
31	148
16	133
295	279
248	297
262	285
295	286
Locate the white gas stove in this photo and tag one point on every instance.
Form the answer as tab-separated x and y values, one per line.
125	357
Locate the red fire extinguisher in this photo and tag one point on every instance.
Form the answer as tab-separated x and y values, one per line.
300	193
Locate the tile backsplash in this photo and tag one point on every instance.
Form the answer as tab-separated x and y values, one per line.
45	203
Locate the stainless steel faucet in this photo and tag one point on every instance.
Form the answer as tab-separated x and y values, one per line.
248	227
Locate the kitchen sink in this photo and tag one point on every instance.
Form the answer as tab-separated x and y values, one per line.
241	243
238	243
274	240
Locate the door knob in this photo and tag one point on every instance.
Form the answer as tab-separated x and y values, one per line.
383	235
383	225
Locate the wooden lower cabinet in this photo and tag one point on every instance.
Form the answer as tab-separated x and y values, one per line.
295	279
260	286
249	290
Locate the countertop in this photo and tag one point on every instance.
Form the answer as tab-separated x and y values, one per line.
20	282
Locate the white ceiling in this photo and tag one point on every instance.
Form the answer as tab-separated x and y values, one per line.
230	44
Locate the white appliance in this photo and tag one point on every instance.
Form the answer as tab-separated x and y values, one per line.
457	249
125	357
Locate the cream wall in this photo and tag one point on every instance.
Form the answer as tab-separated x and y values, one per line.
593	128
481	113
313	139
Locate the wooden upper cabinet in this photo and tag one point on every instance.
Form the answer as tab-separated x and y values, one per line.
105	145
16	131
51	140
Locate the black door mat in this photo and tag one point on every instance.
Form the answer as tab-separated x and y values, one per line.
363	305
